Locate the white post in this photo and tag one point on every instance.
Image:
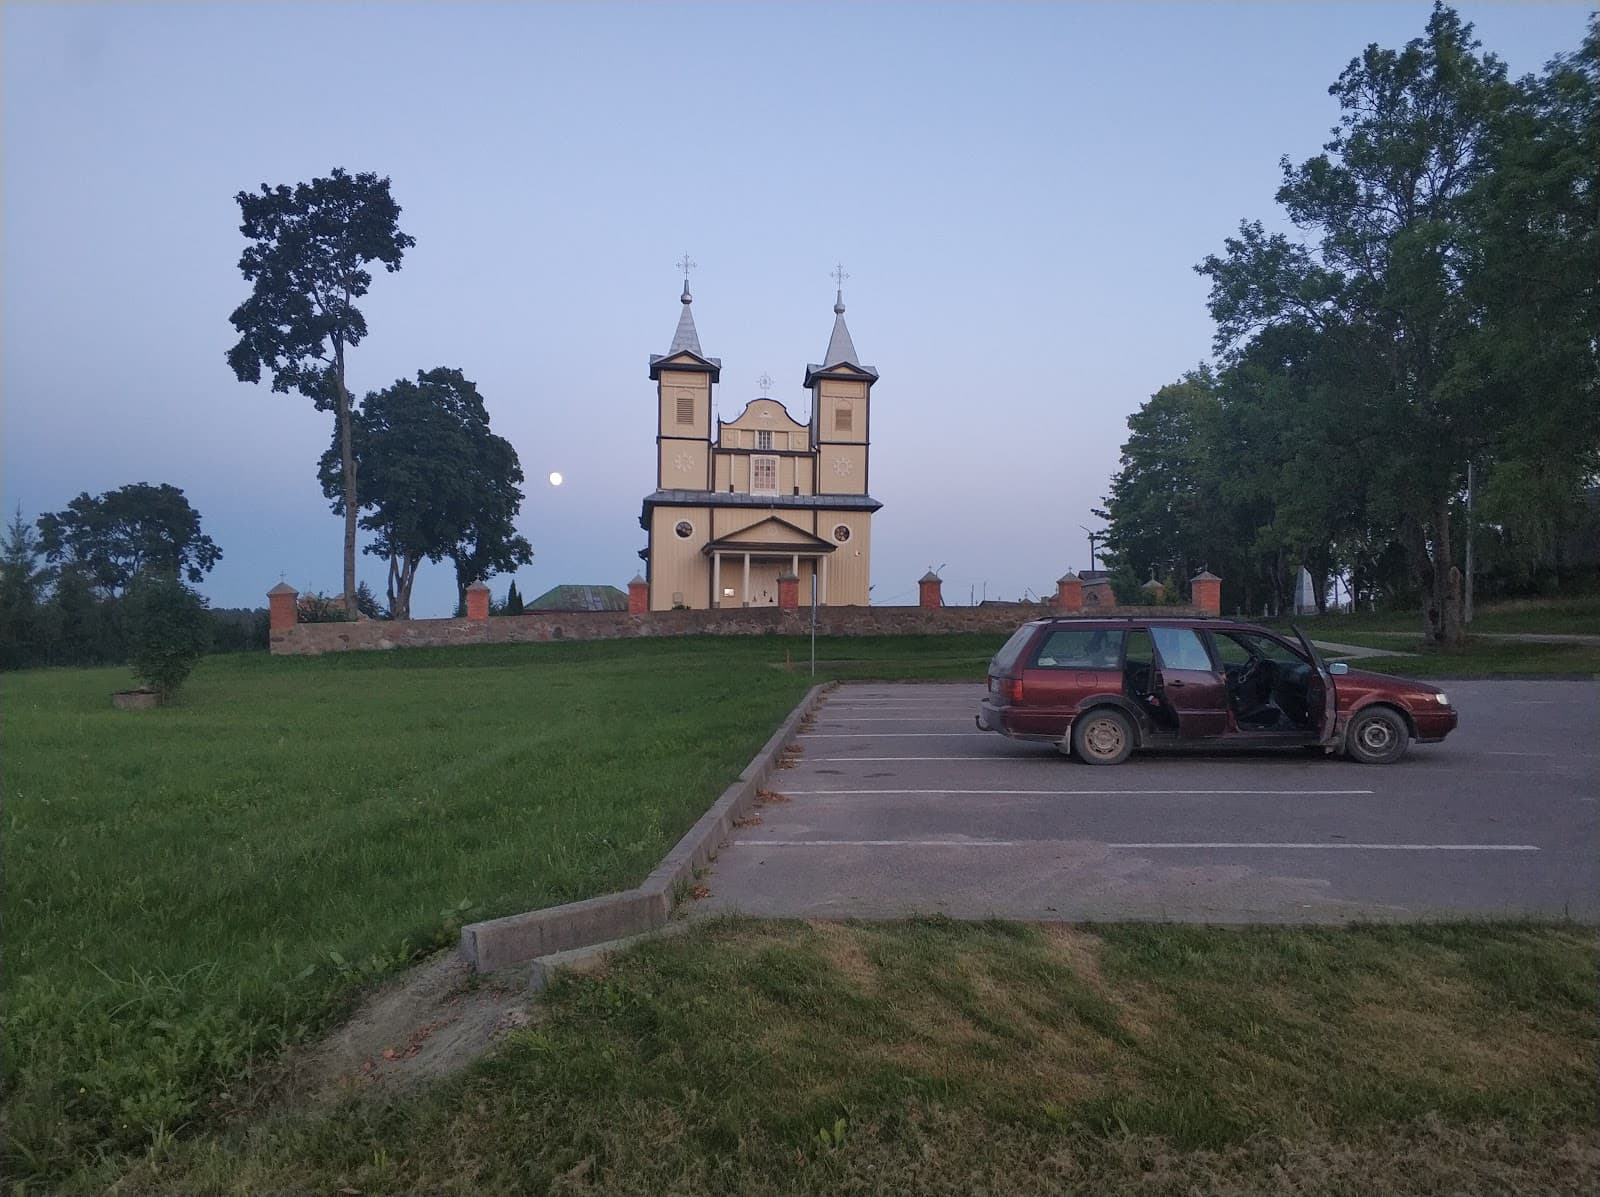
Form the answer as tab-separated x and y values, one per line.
716	579
1466	611
747	579
824	581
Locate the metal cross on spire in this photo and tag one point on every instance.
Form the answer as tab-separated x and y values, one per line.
838	275
765	382
686	265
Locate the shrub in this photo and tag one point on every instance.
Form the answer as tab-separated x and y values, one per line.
322	608
168	628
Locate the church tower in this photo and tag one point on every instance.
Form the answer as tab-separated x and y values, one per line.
684	377
841	408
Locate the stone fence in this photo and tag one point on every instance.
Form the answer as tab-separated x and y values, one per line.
292	638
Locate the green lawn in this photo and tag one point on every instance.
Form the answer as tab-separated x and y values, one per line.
188	889
933	1057
1478	658
1577	615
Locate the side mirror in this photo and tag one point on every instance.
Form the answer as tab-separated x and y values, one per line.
1338	669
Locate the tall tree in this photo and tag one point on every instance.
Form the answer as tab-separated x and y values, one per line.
111	537
22	583
435	481
1388	203
307	258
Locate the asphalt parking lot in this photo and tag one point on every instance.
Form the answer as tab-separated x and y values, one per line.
899	806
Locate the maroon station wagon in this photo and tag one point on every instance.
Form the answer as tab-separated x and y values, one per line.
1099	688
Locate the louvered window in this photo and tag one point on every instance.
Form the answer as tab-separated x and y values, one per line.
685	407
764	475
843	417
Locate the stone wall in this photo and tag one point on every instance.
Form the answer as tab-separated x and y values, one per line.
312	639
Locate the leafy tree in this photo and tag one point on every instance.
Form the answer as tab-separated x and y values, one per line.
112	537
85	629
307	258
22	584
1389	203
436	482
168	629
367	603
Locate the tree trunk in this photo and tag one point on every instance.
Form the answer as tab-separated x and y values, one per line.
348	461
1441	582
402	576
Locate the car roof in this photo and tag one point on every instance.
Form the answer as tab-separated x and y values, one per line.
1146	621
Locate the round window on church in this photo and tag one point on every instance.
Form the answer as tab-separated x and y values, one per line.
684	529
841	533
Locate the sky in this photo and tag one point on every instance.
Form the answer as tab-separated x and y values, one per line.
1018	193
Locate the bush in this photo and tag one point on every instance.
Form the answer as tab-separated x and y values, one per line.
322	608
168	629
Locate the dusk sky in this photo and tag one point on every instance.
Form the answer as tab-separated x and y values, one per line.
1018	193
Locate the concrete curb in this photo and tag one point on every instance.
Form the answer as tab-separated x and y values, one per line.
520	938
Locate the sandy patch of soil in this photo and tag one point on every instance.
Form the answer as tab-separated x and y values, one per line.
428	1023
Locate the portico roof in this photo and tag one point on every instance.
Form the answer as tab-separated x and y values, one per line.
771	536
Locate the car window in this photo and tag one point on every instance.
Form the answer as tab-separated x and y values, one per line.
1081	648
1272	650
1229	649
1181	648
1012	649
1140	650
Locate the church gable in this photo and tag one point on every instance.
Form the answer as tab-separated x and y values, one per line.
771	533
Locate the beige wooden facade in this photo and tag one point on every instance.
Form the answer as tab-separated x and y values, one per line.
741	503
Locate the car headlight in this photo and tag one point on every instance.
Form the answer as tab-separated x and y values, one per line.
1442	698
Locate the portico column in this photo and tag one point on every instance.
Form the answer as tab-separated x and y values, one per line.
794	565
823	601
716	578
746	597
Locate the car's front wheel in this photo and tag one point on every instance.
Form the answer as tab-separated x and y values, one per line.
1103	737
1377	736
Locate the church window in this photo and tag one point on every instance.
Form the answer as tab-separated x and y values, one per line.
764	475
841	533
686	407
764	438
684	529
843	417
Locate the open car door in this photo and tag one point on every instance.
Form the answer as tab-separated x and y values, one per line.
1320	693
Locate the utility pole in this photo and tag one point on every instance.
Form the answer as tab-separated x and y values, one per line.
1093	537
1466	606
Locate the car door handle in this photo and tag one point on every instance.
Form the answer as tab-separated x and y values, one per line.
1176	683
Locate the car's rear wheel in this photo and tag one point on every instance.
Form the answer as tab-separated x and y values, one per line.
1377	736
1103	737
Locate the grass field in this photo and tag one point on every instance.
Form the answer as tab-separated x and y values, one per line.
1567	616
191	888
1479	658
187	891
942	1058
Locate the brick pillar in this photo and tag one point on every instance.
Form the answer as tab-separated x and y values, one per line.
789	591
1205	593
1069	593
478	601
928	594
638	596
282	600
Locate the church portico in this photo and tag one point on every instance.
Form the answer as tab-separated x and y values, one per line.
753	515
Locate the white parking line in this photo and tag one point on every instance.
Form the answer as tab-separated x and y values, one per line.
1092	793
1032	756
965	718
1264	847
887	734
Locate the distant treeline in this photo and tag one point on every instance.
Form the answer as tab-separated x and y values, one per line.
64	582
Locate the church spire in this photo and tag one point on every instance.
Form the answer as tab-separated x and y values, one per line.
686	338
840	347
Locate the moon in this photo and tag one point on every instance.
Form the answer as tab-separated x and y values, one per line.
555	478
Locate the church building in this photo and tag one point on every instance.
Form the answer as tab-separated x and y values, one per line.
744	505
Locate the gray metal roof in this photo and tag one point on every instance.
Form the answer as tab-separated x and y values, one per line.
686	337
722	498
840	347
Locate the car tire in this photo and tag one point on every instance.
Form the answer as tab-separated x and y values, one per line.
1377	736
1103	737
